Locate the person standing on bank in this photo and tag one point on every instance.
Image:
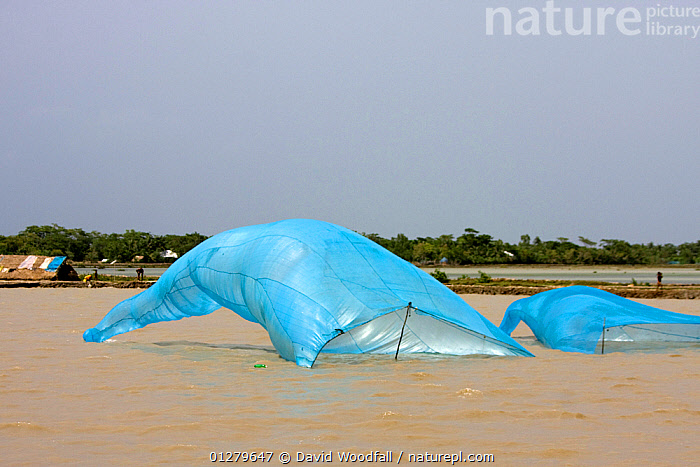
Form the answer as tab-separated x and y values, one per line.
659	276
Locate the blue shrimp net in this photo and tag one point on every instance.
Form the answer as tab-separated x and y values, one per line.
314	287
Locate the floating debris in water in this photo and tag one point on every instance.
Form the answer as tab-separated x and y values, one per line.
469	392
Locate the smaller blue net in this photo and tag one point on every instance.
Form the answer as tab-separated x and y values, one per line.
589	320
314	287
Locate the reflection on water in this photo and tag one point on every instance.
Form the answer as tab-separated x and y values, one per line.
261	348
174	392
129	272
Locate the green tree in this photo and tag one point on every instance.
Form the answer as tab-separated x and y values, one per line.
424	251
587	242
402	247
181	244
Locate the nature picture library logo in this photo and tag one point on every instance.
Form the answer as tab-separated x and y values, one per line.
556	18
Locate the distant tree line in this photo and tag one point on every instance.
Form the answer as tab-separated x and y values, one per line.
78	245
471	247
474	248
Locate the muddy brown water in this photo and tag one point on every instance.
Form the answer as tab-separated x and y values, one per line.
176	392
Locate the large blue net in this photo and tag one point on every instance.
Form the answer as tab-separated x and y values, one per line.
314	287
589	320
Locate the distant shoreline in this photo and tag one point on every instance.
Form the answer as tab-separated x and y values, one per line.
567	267
630	281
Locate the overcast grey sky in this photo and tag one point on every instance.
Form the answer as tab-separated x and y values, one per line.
381	116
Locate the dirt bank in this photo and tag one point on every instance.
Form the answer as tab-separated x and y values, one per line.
76	284
671	291
676	292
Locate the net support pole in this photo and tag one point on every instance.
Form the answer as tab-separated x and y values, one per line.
408	312
602	345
